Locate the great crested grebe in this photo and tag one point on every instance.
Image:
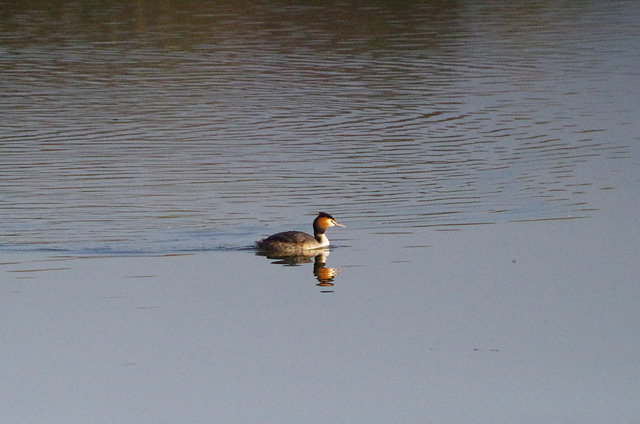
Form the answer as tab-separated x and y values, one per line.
297	241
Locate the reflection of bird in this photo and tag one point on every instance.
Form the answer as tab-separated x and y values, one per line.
323	274
297	241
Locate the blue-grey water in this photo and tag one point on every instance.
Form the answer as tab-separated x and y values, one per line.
484	157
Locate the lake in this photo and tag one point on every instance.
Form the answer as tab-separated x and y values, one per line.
483	156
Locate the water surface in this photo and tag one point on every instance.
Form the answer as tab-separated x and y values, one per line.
484	157
134	128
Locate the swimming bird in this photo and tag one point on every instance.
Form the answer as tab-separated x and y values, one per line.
296	241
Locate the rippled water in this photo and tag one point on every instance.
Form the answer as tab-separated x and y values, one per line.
128	127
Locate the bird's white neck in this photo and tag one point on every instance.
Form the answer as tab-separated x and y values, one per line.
322	239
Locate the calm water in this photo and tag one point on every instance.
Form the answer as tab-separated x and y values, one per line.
144	147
